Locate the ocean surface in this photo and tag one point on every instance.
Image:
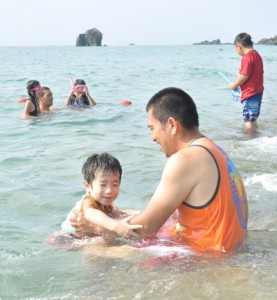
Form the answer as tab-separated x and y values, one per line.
41	161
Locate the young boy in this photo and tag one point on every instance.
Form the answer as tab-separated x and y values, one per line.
102	177
250	80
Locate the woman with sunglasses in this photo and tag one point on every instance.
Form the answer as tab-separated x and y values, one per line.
79	95
31	108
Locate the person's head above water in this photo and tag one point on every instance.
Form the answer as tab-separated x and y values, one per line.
103	164
79	86
79	82
45	96
174	102
33	86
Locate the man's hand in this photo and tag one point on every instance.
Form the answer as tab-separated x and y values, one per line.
125	229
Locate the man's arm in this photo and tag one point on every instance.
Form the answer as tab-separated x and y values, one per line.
175	185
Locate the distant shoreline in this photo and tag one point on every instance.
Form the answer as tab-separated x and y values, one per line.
137	45
263	41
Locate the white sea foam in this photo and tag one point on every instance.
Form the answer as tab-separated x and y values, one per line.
159	250
268	181
264	144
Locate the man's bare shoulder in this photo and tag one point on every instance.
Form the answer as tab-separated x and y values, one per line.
189	156
196	171
189	165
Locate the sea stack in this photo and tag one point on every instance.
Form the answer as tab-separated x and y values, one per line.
92	37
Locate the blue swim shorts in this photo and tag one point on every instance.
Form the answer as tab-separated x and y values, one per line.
251	107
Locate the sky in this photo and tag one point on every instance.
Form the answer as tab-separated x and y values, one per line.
143	22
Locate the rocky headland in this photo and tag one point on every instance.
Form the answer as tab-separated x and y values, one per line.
270	41
264	41
214	42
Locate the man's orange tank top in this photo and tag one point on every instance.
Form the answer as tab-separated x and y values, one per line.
221	223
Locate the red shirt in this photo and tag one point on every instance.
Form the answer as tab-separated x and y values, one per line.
252	65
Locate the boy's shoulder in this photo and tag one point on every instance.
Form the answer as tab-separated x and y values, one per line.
252	54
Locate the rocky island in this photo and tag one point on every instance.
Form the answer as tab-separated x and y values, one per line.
214	42
92	37
264	41
270	41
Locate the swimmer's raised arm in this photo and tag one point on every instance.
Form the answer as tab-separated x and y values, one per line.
68	101
90	99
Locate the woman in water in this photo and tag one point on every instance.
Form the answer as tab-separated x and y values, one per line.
31	108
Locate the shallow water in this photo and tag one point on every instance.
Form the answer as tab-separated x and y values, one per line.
41	160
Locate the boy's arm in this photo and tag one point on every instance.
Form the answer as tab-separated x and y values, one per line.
130	211
99	218
94	217
241	80
119	214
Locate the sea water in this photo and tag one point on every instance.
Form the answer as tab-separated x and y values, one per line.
41	161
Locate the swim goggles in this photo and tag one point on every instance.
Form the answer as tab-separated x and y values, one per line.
38	88
80	86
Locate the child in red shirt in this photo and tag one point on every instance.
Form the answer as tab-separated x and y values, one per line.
250	80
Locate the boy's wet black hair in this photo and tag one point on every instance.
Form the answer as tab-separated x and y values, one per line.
244	39
103	163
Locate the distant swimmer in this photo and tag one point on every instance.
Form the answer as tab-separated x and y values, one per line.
32	107
79	95
250	80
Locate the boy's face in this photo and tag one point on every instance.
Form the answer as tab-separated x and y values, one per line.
239	49
104	188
